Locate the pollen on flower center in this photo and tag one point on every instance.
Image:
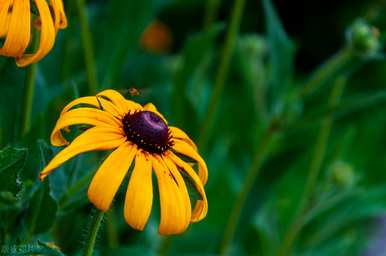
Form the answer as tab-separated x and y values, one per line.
148	131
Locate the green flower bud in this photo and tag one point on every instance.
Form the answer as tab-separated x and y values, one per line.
363	39
342	174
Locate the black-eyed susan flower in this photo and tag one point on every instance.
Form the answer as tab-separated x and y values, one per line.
157	38
15	27
139	136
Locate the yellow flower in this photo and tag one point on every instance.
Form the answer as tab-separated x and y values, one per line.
140	135
15	28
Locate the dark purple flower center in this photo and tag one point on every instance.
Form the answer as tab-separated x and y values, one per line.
148	131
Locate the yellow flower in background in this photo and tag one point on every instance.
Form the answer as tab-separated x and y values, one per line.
16	31
139	136
157	38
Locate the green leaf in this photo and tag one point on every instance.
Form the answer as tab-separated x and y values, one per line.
40	248
12	161
191	73
125	23
41	211
281	53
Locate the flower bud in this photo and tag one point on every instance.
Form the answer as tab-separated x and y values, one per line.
342	174
363	39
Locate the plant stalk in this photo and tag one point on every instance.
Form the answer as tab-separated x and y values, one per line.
88	49
318	156
222	70
95	225
254	170
29	90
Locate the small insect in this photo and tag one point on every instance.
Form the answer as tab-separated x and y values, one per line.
134	91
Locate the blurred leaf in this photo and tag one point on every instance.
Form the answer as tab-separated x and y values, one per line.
281	53
12	161
41	248
194	56
125	23
42	211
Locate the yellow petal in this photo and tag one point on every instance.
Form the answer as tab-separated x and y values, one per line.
119	101
5	19
181	185
19	30
186	149
201	207
47	35
109	176
139	195
93	101
152	108
88	116
171	201
60	19
178	134
96	138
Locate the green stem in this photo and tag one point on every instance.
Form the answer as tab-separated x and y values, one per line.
88	49
314	170
95	225
222	70
29	90
211	12
327	71
111	230
259	158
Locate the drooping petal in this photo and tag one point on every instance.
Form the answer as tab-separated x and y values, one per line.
173	215
201	207
178	134
96	138
19	30
186	149
109	176
47	35
181	186
88	116
93	101
119	101
152	108
5	19
60	19
139	195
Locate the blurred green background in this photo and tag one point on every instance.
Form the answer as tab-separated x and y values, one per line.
261	140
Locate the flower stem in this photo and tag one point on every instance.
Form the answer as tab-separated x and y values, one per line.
222	70
95	225
258	161
327	71
314	170
29	90
88	49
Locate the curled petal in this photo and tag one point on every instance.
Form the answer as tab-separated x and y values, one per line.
186	149
201	207
60	19
178	134
47	35
88	116
173	210
93	101
181	185
139	195
109	176
19	27
119	101
96	138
